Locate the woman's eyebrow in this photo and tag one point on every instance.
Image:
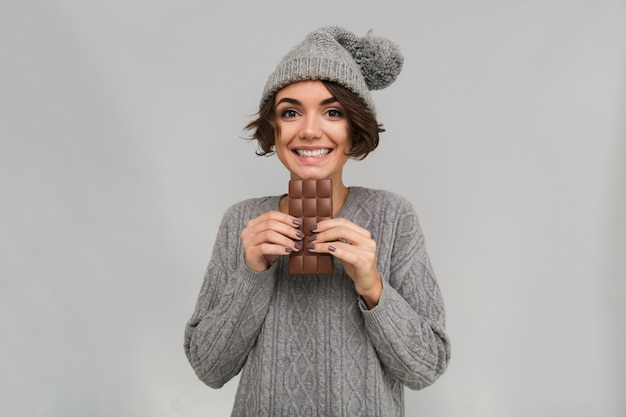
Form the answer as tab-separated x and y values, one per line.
288	100
297	102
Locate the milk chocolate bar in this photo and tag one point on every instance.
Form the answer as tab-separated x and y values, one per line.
311	202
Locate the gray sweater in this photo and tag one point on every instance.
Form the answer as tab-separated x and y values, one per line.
307	345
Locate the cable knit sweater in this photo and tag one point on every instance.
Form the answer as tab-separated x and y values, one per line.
307	345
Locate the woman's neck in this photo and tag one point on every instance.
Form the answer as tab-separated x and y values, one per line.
340	195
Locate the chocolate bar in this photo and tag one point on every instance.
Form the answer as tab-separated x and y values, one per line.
311	202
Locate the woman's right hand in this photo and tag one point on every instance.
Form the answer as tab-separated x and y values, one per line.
266	237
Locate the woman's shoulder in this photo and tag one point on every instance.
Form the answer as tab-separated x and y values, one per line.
374	196
379	205
377	208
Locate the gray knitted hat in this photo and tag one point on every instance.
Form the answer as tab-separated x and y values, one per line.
333	53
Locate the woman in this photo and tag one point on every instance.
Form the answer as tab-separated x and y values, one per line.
330	345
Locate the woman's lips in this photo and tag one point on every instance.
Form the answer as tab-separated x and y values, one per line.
313	153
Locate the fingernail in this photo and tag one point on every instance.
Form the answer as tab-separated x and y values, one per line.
296	222
297	245
299	234
314	227
310	246
288	250
312	238
331	248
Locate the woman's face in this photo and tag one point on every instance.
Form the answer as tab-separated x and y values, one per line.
314	133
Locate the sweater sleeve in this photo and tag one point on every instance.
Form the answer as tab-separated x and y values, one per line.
229	312
407	327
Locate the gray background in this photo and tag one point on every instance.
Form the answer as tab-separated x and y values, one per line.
120	124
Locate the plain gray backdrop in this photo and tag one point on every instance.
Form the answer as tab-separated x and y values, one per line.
121	125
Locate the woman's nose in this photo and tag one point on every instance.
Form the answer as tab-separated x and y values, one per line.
311	128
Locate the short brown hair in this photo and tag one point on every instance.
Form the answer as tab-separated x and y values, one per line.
364	128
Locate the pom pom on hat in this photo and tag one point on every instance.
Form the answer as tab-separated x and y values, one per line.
380	61
333	53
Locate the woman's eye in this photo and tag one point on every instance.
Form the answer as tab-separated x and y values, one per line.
288	114
334	113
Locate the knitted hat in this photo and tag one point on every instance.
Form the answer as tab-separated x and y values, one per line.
333	53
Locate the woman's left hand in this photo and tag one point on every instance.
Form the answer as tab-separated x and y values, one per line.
357	250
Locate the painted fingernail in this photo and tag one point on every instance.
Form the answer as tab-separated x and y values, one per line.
299	234
310	246
314	227
297	245
296	222
288	250
332	248
312	238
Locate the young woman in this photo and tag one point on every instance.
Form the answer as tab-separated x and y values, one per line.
326	345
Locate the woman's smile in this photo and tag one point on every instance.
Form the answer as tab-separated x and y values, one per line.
317	153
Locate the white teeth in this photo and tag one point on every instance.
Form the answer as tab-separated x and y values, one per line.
312	153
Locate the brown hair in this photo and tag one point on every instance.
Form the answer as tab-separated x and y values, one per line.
364	128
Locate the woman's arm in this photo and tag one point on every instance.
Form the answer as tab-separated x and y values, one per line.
407	327
224	326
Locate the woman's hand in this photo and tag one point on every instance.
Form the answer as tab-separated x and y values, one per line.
357	250
266	237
